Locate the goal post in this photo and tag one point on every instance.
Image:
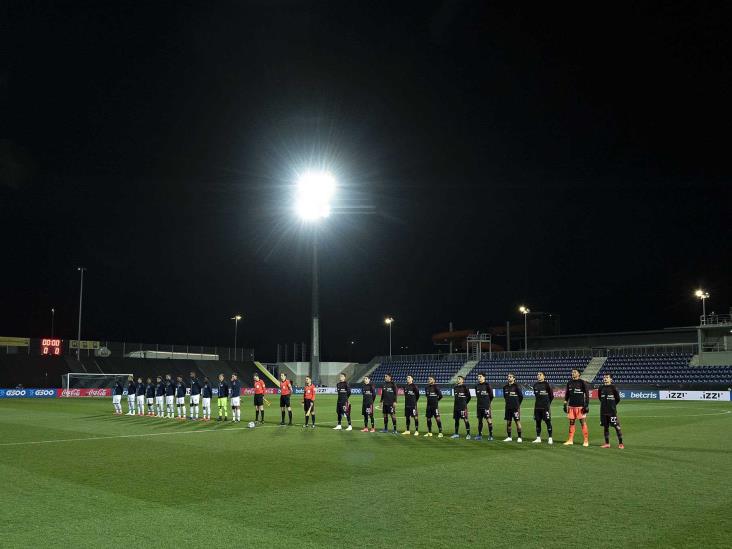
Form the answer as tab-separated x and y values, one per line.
83	380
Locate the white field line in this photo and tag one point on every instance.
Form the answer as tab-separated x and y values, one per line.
140	435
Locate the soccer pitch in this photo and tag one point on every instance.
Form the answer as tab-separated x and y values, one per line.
72	473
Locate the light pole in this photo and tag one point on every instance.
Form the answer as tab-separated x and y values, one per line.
53	314
525	311
236	319
389	321
81	296
314	192
701	294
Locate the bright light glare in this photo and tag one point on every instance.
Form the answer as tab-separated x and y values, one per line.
701	294
388	320
314	193
524	310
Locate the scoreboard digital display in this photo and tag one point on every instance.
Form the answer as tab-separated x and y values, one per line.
51	347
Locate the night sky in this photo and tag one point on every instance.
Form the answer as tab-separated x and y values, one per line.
577	161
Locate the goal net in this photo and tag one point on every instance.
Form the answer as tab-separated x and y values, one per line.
77	380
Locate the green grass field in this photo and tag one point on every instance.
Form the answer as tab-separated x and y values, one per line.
74	474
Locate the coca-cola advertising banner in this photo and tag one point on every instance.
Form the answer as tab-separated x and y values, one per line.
74	393
246	391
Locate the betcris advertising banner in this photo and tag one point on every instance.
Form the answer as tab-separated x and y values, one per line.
639	394
696	395
28	393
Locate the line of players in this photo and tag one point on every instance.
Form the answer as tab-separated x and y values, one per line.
576	406
166	398
166	393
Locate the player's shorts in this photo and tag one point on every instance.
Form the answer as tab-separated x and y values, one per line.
195	399
410	412
141	400
150	401
460	414
284	401
169	400
116	399
388	409
510	414
343	408
258	400
160	400
206	402
575	412
222	402
367	409
235	402
608	421
433	412
540	414
484	413
131	398
308	405
180	401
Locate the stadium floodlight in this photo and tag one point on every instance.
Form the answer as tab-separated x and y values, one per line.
525	311
314	193
389	320
703	295
236	319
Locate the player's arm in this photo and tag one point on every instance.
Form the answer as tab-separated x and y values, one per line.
416	394
520	395
439	394
617	394
467	396
550	390
587	396
348	391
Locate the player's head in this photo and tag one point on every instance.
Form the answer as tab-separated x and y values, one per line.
481	377
410	379
167	376
130	378
431	380
460	380
159	378
256	377
149	380
607	379
221	377
193	374
540	376
283	376
511	377
308	380
139	380
575	373
179	378
205	379
366	380
387	377
234	377
342	376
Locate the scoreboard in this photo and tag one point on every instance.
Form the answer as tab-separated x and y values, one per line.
51	347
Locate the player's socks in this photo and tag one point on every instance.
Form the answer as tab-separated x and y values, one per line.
408	422
538	428
289	415
416	425
261	414
457	426
519	432
490	429
480	426
429	425
386	423
282	413
313	416
393	422
439	425
467	428
585	432
307	420
508	431
620	435
606	434
549	428
571	431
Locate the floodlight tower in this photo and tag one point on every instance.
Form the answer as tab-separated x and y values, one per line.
389	320
236	319
703	295
525	311
314	193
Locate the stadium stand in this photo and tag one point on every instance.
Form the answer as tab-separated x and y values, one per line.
419	367
557	369
662	369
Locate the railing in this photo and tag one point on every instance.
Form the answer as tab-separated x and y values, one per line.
661	349
443	357
124	349
547	353
714	319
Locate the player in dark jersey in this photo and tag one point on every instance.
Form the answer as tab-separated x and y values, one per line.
131	393
308	401
484	396
389	393
367	407
411	396
513	396
461	394
343	406
150	396
577	405
222	400
609	398
434	396
543	396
